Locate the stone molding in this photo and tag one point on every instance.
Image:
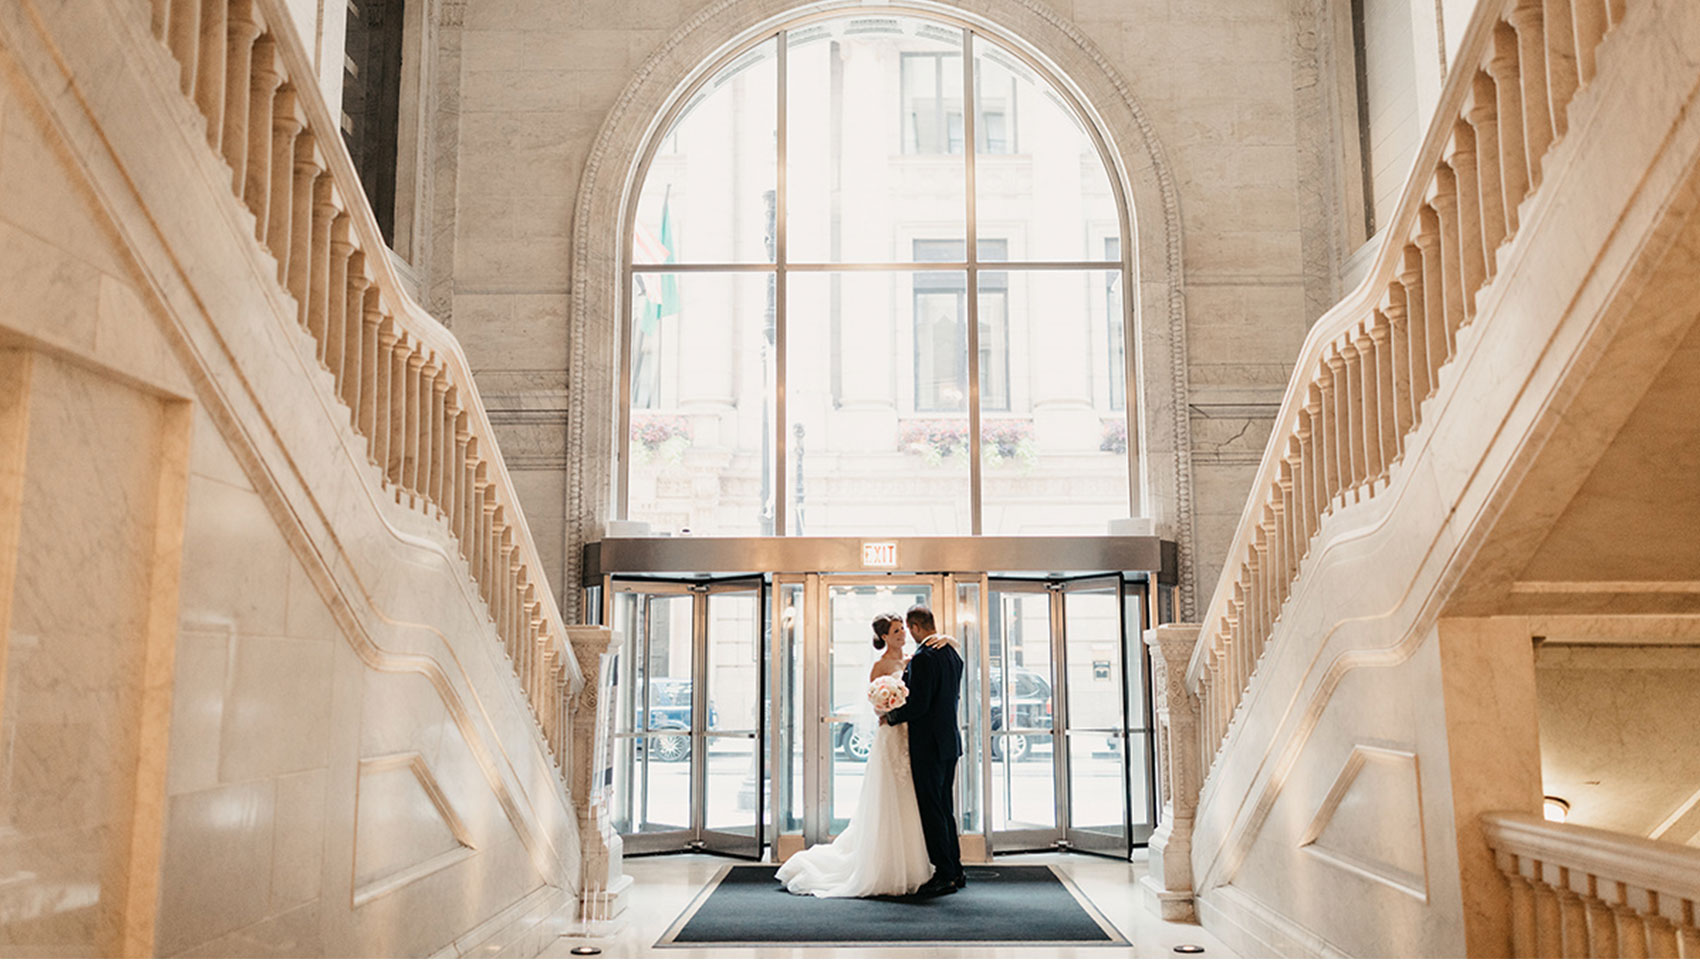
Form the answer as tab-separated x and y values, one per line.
609	181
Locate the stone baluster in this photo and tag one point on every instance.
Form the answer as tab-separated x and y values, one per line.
1547	929
435	422
336	304
317	305
239	73
448	468
1302	465
1482	113
1416	340
1443	198
374	367
286	128
214	49
1615	12
487	553
1661	933
1271	535
1387	427
161	21
1461	161
485	518
463	478
1314	455
1527	19
1602	930
1393	306
1513	156
1290	520
1588	20
395	434
184	35
1522	907
1572	921
306	175
1350	373
383	382
352	358
1631	932
1434	298
1369	389
1562	78
1326	439
413	405
256	176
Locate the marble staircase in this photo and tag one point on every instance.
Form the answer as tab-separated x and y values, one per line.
283	674
1472	455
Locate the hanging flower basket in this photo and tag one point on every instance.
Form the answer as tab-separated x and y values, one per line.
1001	441
659	437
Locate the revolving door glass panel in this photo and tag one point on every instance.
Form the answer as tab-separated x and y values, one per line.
653	720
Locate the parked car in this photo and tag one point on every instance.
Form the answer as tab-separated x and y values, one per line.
1031	705
670	709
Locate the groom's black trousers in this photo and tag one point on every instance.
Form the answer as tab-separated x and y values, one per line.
935	794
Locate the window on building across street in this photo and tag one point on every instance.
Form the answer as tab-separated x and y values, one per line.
371	97
797	360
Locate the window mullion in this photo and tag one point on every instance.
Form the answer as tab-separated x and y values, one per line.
975	480
780	298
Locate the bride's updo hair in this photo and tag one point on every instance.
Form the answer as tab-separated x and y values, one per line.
882	626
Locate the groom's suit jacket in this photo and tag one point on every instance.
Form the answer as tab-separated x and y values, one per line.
934	679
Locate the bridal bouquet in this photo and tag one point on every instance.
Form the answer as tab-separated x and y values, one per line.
887	693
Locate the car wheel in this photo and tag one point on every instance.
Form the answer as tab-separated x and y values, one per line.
857	746
670	747
1018	747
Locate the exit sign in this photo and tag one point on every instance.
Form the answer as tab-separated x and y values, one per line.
880	554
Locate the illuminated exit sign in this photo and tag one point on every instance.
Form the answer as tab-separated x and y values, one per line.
879	554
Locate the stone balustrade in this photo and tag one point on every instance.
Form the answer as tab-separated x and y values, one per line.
400	375
1371	363
1581	892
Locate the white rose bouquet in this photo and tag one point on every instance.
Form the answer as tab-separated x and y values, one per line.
887	693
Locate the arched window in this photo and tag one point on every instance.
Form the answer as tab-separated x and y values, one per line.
813	228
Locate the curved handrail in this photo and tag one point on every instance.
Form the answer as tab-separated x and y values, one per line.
1369	363
401	375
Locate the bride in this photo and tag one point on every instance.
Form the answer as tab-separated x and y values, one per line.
882	851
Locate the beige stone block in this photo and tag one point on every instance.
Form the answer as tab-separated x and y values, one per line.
308	616
225	523
298	845
41	194
482	50
129	337
521	331
536	263
210	456
296	933
278	715
218	850
49	293
197	710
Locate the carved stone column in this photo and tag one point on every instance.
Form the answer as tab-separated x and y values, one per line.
603	883
1166	887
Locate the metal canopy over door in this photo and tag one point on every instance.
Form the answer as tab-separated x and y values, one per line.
688	745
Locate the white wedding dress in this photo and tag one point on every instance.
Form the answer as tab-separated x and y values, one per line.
882	852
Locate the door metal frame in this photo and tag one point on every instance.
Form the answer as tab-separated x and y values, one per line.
695	836
1073	836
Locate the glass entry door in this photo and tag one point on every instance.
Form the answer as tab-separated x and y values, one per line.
690	690
1066	729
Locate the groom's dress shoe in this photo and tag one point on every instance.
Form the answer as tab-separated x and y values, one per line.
936	887
961	881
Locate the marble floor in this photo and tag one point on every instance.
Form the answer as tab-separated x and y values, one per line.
664	887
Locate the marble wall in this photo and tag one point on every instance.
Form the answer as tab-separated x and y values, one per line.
249	704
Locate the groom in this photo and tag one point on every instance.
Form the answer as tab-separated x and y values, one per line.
934	678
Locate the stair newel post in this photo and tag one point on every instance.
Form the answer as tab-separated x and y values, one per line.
1167	884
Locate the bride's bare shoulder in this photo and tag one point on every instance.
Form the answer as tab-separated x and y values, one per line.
882	669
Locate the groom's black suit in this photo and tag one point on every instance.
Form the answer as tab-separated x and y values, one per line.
934	678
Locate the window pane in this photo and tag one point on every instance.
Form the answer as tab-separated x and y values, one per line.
1055	458
702	388
874	134
708	197
873	459
1037	168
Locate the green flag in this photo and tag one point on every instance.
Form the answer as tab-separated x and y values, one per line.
658	305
